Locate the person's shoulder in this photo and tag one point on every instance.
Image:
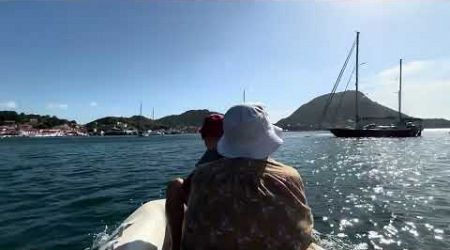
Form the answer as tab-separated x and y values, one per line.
282	168
209	156
220	162
210	170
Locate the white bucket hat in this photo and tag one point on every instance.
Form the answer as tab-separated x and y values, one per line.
248	133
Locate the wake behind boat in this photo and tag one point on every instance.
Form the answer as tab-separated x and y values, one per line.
403	128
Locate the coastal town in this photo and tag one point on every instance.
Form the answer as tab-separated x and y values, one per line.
121	129
13	124
27	130
11	129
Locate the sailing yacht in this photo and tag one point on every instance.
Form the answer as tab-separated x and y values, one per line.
141	132
402	129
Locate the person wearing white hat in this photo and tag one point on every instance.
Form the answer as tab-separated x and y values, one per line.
248	133
247	200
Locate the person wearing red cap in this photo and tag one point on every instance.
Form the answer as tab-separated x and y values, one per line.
247	200
178	190
211	132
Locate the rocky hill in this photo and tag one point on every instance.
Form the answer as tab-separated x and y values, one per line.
341	113
189	118
436	123
137	122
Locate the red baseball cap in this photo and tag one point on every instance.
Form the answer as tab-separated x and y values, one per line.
212	126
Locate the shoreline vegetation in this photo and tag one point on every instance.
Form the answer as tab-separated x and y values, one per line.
305	118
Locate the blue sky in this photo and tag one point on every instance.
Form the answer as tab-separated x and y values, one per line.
86	59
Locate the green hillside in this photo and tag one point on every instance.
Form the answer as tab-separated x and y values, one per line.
189	118
37	121
136	122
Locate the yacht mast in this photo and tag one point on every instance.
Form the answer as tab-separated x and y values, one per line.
356	82
140	118
400	93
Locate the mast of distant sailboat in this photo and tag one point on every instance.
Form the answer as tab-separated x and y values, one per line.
400	93
356	82
140	119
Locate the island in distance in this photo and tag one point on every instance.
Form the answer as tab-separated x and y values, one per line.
308	117
341	113
15	124
187	122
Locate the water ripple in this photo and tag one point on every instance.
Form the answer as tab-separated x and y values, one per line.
387	193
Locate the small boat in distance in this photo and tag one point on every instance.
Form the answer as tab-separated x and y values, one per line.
403	128
140	130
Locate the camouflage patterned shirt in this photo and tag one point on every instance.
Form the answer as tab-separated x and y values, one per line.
246	204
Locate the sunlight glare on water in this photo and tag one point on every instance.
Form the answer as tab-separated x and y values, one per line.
71	193
376	193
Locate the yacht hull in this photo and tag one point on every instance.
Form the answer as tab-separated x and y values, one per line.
403	132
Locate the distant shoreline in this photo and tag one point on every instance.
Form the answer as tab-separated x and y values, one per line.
165	135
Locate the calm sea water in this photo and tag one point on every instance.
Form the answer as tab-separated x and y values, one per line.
64	193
